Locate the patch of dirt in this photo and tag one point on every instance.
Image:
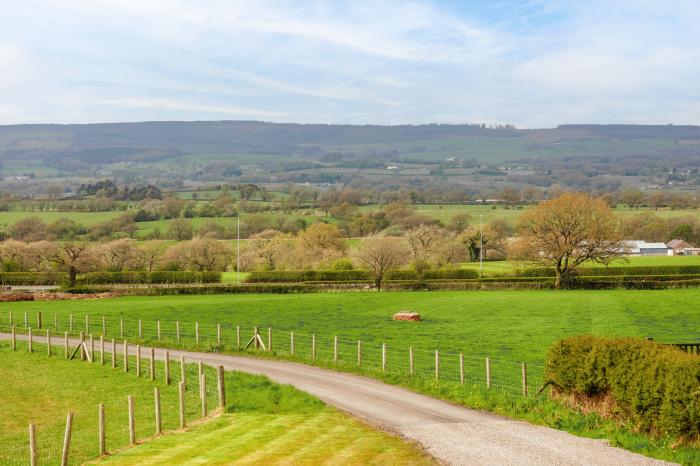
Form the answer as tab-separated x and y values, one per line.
48	296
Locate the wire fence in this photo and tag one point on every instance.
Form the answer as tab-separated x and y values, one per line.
369	357
113	425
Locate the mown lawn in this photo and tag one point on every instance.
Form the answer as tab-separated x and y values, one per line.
262	418
508	325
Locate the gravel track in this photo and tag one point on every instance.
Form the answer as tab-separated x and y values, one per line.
452	434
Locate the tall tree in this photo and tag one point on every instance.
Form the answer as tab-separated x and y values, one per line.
381	254
570	230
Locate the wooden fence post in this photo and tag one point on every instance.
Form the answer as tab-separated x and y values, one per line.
101	428
14	339
335	350
291	343
48	341
461	368
255	337
269	338
65	343
182	370
102	350
32	444
121	326
29	343
11	322
313	346
166	364
203	393
66	440
152	363
92	348
437	365
70	323
159	422
238	337
55	321
158	329
82	346
132	421
410	360
359	353
104	326
87	323
524	377
177	332
200	368
114	353
140	330
220	386
26	320
488	372
138	360
218	334
126	356
39	320
384	357
181	393
196	333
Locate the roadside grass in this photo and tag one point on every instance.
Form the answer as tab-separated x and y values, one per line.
323	437
261	417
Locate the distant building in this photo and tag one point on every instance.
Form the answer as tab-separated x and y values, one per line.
691	252
642	248
678	246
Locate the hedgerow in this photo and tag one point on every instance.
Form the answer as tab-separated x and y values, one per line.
142	277
657	387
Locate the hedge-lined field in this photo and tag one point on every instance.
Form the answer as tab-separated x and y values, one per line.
510	325
39	389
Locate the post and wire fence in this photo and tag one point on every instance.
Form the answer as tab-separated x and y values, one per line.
368	357
183	393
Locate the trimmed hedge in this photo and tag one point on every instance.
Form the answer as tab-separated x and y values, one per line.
655	386
354	275
142	277
611	271
32	278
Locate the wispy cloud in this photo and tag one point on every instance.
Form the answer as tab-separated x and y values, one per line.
533	63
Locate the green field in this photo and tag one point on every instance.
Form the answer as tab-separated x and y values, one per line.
83	218
506	325
262	420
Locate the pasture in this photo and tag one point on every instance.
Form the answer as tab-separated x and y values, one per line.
507	325
261	418
83	218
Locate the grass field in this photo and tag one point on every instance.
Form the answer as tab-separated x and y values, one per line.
507	325
263	420
83	218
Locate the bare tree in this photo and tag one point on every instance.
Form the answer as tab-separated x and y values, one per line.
204	255
381	255
421	242
72	256
570	230
180	229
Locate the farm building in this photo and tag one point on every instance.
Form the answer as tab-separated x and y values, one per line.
678	246
642	248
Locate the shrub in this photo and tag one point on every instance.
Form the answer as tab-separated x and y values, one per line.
354	275
32	278
655	386
610	271
142	277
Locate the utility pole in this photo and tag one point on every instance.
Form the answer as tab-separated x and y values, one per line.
238	249
481	246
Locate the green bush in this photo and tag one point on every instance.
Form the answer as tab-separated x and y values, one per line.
655	386
32	278
142	277
354	275
610	271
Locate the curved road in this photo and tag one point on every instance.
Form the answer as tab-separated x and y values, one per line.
452	434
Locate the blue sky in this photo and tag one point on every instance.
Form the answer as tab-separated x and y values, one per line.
528	63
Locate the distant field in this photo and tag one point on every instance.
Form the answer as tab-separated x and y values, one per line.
507	325
84	218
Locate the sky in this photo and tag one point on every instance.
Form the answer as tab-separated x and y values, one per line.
533	63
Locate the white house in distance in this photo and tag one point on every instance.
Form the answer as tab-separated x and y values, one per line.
642	248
